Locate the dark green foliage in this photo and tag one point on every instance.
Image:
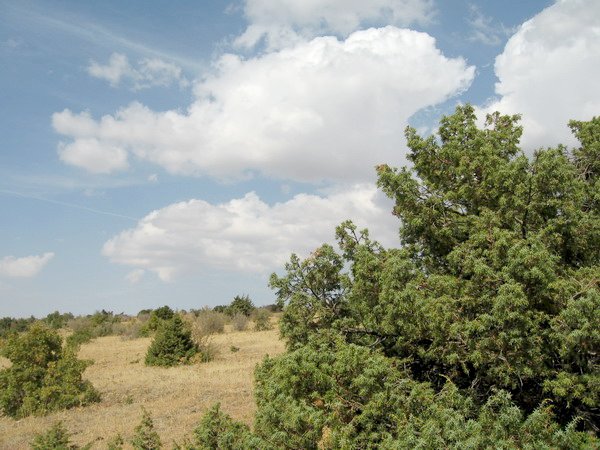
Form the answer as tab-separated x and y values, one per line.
57	320
241	304
10	325
172	344
217	431
43	376
489	313
157	317
145	436
56	438
338	395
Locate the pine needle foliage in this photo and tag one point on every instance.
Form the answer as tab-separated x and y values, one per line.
480	330
145	436
172	344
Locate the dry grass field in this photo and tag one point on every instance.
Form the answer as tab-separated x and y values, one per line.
175	397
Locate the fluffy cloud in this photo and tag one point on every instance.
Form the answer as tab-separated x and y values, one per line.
93	155
321	110
26	267
246	234
549	72
286	21
149	72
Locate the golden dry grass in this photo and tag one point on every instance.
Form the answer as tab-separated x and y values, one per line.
176	398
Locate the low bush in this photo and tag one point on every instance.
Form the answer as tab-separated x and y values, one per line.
210	322
239	322
56	437
172	344
43	376
56	320
241	304
262	320
146	437
219	431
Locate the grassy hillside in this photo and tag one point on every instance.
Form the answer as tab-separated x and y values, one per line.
175	397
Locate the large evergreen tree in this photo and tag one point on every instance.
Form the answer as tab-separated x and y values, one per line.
482	328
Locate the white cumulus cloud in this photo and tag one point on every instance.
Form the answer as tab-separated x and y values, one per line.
548	72
246	234
286	21
94	156
149	72
25	267
321	110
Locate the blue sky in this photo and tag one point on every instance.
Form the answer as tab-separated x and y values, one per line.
177	152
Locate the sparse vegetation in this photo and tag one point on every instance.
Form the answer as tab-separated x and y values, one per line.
101	323
210	321
262	319
239	322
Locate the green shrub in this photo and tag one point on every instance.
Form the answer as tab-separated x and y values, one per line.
219	431
158	317
145	436
56	438
262	320
57	320
241	304
239	322
172	344
43	377
9	325
480	331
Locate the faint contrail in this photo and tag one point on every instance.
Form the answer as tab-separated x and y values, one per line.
70	205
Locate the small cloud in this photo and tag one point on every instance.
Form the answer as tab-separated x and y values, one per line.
484	30
26	267
153	178
150	72
93	156
135	276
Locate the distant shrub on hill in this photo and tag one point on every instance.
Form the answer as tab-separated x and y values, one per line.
172	344
239	322
262	319
209	321
241	304
10	325
43	377
101	323
56	320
